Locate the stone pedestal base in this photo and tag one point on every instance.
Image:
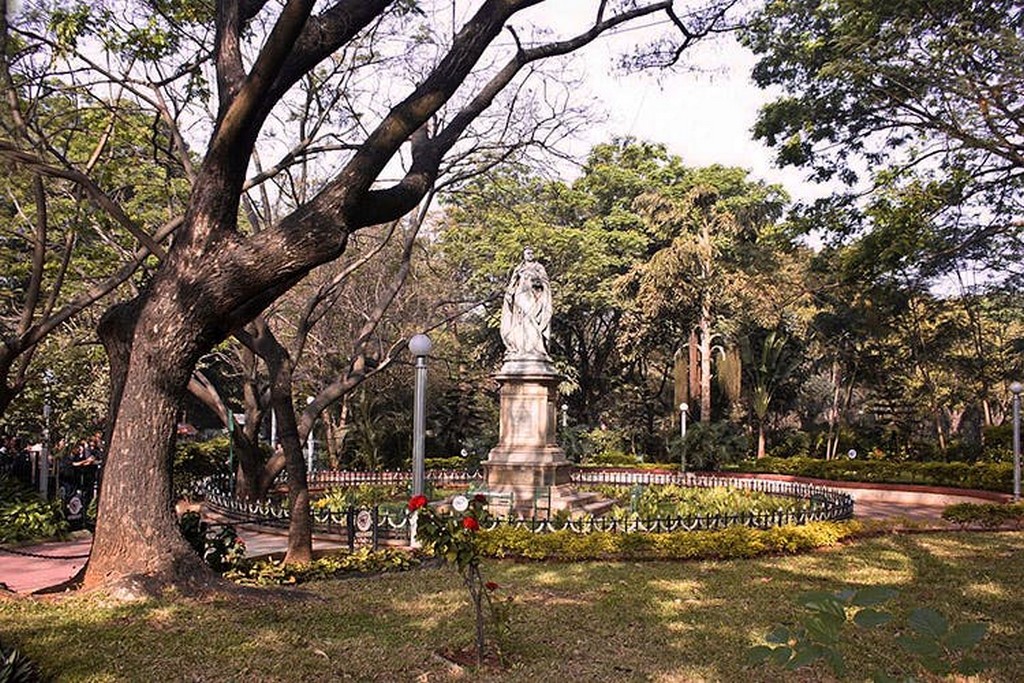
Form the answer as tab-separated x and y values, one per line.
527	461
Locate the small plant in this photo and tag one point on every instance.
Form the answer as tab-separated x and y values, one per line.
15	667
221	548
25	517
940	649
818	635
454	538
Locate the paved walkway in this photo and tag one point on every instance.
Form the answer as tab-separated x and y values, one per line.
31	568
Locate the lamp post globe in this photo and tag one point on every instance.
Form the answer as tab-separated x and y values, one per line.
420	345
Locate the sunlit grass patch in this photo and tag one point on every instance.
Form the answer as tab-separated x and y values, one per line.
587	621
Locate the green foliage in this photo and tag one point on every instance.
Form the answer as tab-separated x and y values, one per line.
792	444
339	499
670	500
26	517
984	476
732	543
988	515
15	667
455	538
818	635
220	547
196	460
939	649
712	445
455	462
361	561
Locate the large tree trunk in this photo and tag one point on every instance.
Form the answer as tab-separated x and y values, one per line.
300	529
138	547
705	363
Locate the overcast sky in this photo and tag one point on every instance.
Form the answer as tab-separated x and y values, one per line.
704	115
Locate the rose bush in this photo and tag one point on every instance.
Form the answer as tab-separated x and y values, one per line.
454	538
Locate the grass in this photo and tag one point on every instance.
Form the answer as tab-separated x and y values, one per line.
599	621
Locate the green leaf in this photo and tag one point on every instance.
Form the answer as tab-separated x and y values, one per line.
845	594
778	636
825	603
970	666
823	628
805	655
928	622
758	655
936	665
919	646
873	595
835	660
966	636
781	655
869	618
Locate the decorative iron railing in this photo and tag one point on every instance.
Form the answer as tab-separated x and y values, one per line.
822	504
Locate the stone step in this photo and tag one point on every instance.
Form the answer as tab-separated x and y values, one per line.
581	501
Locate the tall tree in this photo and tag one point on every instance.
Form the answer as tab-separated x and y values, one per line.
721	246
921	95
217	275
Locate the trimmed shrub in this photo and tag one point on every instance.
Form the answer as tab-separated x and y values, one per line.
362	561
988	515
984	476
455	462
732	543
196	460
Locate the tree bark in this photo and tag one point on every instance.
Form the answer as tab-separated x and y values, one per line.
138	547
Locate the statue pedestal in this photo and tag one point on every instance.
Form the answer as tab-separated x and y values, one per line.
527	460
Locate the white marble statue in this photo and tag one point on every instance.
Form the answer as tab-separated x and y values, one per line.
526	311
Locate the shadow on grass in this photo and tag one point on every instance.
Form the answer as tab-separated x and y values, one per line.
598	621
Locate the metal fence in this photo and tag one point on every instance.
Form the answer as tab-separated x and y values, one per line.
389	522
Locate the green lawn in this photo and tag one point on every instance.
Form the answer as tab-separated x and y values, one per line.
600	621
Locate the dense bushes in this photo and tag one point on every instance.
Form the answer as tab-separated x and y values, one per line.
988	515
362	561
220	547
732	543
710	446
25	517
985	476
197	460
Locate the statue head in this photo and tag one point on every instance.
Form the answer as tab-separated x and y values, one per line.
528	254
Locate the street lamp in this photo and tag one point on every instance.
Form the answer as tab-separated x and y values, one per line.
565	415
1016	388
682	435
309	442
419	346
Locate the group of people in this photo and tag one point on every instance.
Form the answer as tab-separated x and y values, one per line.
74	466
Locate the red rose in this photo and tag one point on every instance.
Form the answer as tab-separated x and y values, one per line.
416	502
470	523
491	586
480	498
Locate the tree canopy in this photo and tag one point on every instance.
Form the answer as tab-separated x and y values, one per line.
919	99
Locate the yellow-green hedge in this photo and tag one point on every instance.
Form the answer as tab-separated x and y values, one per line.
731	543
